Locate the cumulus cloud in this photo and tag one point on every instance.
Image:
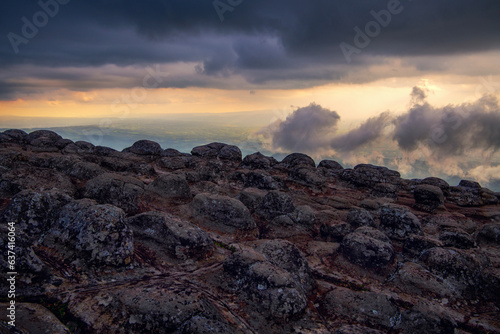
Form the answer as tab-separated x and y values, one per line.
451	130
367	132
445	140
307	129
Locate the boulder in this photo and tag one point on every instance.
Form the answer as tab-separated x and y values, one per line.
303	215
376	309
274	204
26	262
96	233
461	267
472	196
181	239
330	165
16	135
34	212
121	191
368	248
218	150
469	184
358	217
103	151
251	198
84	170
297	159
174	163
287	256
258	161
428	197
386	190
399	222
260	180
274	290
170	186
414	279
145	147
437	182
308	176
42	138
221	213
366	175
146	307
85	147
456	237
415	245
335	231
34	319
489	233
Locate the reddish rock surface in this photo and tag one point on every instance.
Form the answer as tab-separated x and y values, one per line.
157	241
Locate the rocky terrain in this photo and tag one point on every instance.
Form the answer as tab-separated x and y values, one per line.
152	240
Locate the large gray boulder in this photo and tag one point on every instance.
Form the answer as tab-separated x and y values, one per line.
96	234
145	147
287	256
368	248
428	197
170	186
366	175
118	190
258	161
297	159
273	290
34	212
275	204
376	309
399	222
221	213
180	239
218	150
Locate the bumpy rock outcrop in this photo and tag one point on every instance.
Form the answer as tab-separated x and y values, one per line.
122	191
96	233
218	150
180	239
159	241
221	213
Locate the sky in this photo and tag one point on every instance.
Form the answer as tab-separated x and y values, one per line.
73	58
332	76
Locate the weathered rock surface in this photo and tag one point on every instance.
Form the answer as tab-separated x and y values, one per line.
221	213
180	239
428	197
218	150
170	186
368	247
258	161
399	222
145	147
159	241
122	191
96	233
275	204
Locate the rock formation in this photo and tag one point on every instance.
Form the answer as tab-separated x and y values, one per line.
152	240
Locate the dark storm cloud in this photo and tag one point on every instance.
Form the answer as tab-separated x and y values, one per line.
261	41
367	132
307	129
451	130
